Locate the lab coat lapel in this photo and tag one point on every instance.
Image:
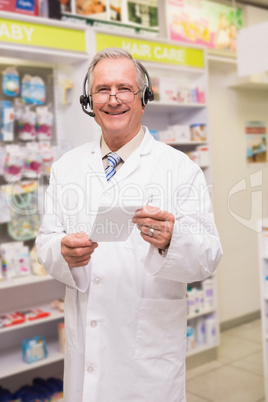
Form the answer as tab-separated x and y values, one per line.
95	163
133	162
129	167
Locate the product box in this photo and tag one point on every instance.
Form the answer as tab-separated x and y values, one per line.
209	301
211	330
29	7
190	338
184	95
265	243
198	132
181	132
201	97
200	330
167	136
155	83
193	155
168	89
15	259
7	121
61	334
10	319
154	133
34	349
203	155
194	95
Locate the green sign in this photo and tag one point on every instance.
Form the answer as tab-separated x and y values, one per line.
153	51
25	33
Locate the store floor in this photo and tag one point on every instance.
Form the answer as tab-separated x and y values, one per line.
237	374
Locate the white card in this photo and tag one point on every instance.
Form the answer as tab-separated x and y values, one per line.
113	224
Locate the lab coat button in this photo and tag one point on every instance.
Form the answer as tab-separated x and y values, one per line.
90	369
93	324
97	281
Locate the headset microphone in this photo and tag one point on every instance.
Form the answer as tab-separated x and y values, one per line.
82	102
85	101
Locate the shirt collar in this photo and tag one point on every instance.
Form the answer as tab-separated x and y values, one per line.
126	150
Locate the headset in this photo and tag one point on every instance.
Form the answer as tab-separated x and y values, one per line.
147	94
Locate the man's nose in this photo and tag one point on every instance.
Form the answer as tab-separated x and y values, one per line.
113	100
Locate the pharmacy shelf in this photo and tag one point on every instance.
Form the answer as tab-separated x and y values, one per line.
16	293
249	82
12	363
54	315
171	107
40	20
201	348
201	313
186	143
43	55
24	280
30	52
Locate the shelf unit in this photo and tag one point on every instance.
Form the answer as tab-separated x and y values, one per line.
33	52
53	316
12	364
160	115
24	280
26	293
198	321
38	291
168	107
263	268
259	82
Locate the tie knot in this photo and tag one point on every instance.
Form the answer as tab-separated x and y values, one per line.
113	159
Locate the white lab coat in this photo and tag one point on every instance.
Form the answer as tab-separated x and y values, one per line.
125	313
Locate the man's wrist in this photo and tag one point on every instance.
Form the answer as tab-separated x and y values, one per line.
162	251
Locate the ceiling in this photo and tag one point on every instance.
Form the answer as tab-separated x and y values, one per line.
257	3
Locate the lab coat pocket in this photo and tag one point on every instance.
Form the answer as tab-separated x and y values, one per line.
161	329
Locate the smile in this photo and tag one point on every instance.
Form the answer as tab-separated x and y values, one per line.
115	114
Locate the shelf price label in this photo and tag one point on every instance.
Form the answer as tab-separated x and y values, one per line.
25	33
153	51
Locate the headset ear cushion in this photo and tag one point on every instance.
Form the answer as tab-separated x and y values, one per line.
150	95
145	96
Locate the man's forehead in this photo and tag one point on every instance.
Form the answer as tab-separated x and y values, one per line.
122	66
115	60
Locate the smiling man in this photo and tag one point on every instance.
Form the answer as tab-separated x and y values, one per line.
115	81
125	304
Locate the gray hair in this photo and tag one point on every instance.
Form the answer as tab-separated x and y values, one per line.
117	53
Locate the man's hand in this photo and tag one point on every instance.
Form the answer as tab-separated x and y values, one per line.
156	226
77	248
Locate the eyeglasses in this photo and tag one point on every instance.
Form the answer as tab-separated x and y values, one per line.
126	96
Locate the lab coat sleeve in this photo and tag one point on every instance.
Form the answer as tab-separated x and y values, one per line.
48	242
195	249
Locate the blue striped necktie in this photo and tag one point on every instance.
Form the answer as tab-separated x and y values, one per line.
113	160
